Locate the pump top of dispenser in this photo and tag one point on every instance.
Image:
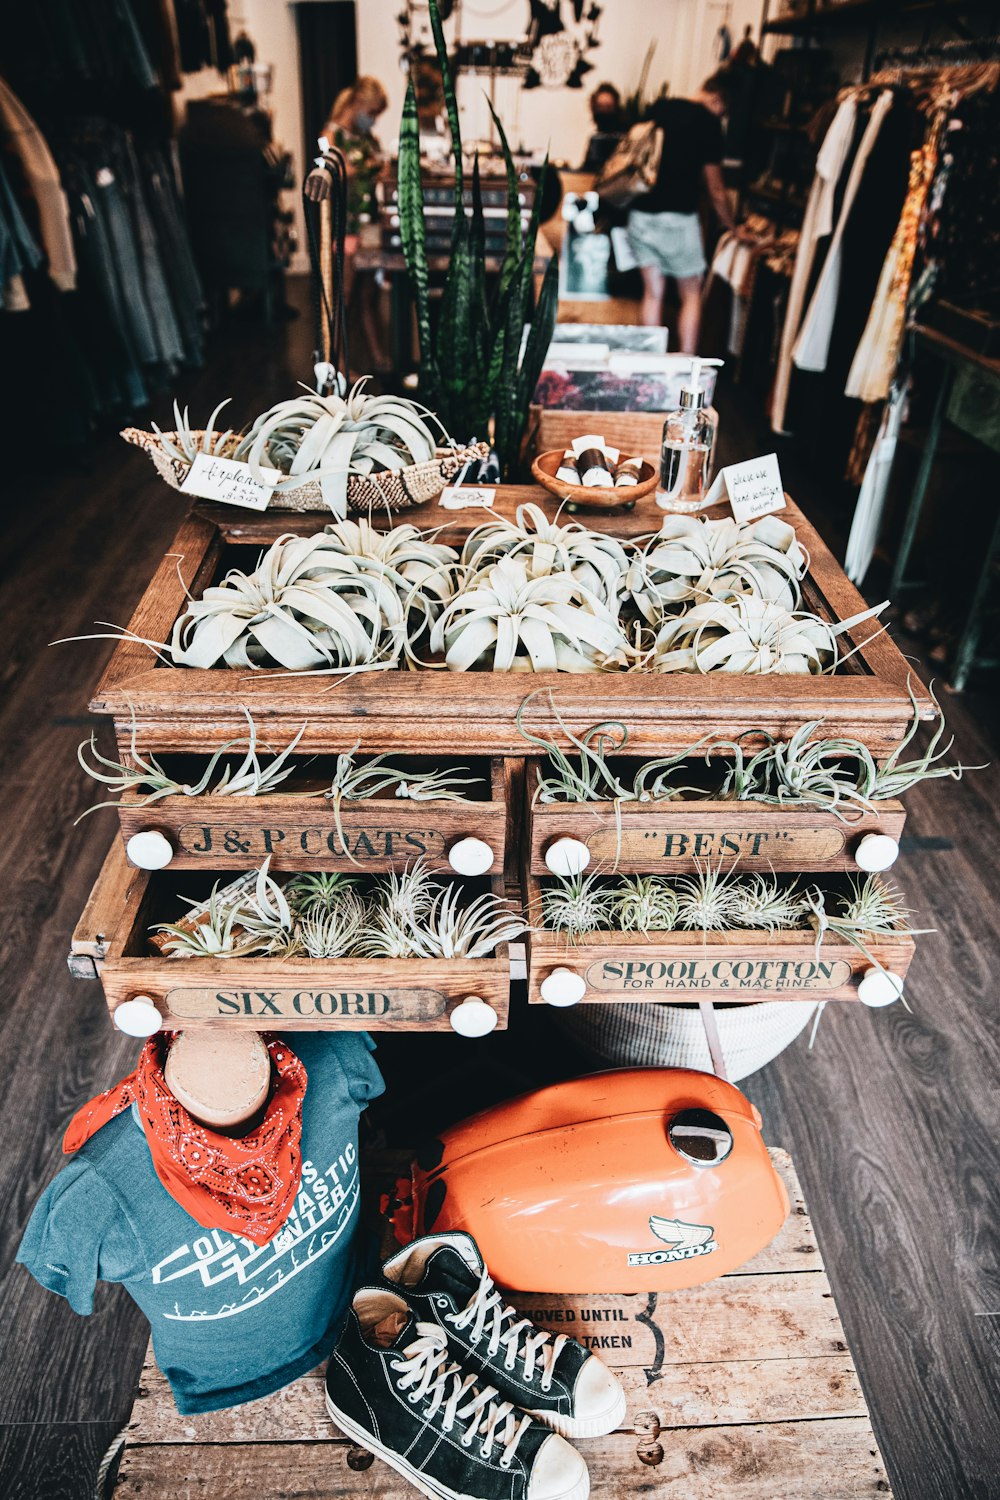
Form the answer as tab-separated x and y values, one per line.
692	394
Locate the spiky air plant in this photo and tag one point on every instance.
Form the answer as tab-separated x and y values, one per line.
181	444
317	891
505	621
307	605
644	903
251	778
217	934
422	573
837	775
577	904
691	558
897	775
762	902
266	917
325	438
873	907
751	636
706	901
591	558
334	930
353	781
451	929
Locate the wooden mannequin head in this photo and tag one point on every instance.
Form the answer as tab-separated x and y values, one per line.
221	1077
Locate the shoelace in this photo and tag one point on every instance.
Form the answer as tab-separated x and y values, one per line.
426	1368
534	1345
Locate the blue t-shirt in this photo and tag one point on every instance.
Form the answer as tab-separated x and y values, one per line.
231	1320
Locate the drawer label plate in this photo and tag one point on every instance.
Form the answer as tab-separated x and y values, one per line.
321	840
304	1004
795	847
635	976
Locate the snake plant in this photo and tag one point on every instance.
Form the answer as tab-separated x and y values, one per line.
139	772
505	620
325	438
472	366
591	558
692	558
752	636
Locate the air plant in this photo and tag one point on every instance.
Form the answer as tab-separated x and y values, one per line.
182	445
250	779
353	781
449	929
692	558
872	907
577	904
645	903
318	891
306	605
218	933
266	917
591	558
896	777
504	620
762	902
325	438
837	775
334	930
751	636
706	901
421	572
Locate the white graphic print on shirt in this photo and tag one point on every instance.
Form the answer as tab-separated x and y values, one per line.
324	1207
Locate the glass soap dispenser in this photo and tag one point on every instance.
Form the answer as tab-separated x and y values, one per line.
689	434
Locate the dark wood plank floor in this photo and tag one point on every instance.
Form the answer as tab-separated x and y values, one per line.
893	1119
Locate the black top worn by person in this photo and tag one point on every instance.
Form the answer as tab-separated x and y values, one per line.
692	140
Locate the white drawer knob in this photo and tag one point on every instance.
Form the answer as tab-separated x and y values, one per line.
876	851
471	857
567	857
150	849
878	987
137	1017
473	1017
563	987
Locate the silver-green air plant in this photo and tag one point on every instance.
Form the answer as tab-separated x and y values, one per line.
335	930
872	907
577	904
217	934
706	900
415	915
184	445
266	917
644	903
762	902
318	890
252	778
354	781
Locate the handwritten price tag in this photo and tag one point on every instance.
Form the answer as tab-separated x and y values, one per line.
228	481
467	496
753	488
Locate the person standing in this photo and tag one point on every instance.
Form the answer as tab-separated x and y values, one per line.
663	226
609	126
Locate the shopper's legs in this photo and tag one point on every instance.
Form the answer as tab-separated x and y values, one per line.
653	287
689	317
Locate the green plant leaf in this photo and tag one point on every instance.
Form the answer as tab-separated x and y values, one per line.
450	101
413	235
515	233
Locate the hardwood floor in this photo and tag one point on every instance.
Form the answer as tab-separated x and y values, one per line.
892	1119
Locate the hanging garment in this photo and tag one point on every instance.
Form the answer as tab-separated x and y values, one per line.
245	1184
877	355
231	1321
42	176
874	487
18	251
813	343
816	225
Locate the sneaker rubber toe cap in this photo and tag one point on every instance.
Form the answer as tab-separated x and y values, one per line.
598	1400
558	1473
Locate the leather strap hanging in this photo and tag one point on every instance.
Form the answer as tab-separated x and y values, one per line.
324	205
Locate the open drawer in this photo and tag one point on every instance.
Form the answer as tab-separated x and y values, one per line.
301	830
267	994
674	837
729	966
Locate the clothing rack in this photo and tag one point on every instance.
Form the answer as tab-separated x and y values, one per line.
920	55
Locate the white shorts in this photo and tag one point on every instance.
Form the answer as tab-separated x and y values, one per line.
671	242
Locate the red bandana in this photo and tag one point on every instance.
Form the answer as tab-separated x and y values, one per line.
246	1184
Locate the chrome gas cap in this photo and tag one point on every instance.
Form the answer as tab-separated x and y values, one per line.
700	1136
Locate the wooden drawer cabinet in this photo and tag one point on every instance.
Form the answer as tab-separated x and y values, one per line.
266	994
675	837
299	831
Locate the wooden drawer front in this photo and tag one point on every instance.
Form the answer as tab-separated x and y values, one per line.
266	994
670	838
725	966
300	833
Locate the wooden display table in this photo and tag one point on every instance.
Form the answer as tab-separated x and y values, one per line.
742	1387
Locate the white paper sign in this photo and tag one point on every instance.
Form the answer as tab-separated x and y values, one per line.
467	496
227	480
753	488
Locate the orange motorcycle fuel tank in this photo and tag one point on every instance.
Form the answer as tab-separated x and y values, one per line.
638	1179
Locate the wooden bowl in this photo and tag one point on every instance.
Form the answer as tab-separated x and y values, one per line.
585	497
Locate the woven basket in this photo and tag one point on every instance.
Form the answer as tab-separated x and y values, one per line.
396	489
672	1036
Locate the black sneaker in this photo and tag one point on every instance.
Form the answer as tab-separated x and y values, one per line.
392	1386
445	1281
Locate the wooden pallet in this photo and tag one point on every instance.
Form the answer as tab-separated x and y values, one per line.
743	1387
